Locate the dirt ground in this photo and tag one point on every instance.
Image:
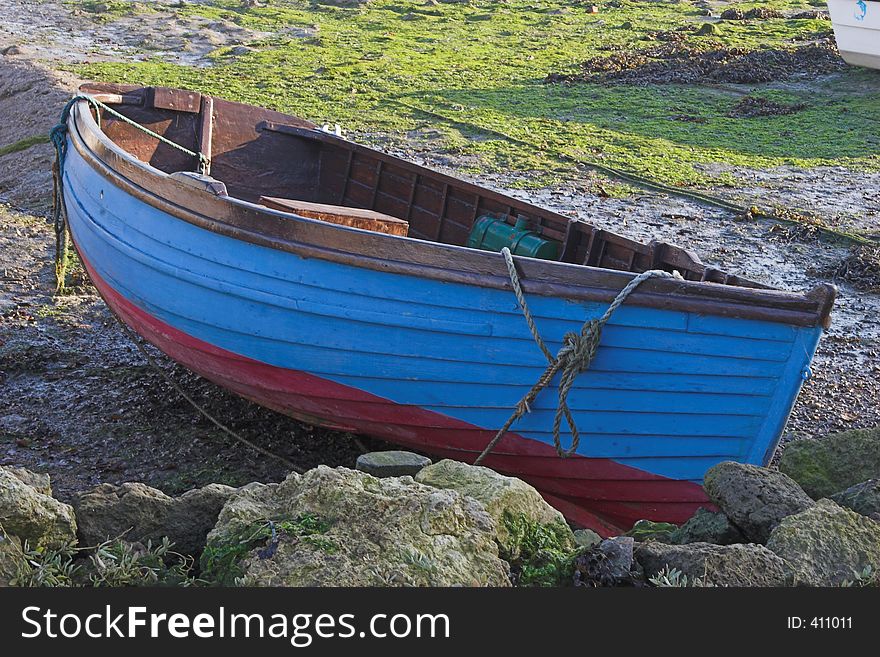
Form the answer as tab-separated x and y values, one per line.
78	400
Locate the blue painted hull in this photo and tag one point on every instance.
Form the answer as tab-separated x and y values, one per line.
670	394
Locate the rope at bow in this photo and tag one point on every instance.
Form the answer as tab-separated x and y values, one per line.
574	357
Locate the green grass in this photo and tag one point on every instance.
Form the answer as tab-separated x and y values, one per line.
483	64
23	144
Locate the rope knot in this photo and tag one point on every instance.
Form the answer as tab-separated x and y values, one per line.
579	349
573	358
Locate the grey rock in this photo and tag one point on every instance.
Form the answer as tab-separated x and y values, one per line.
238	51
610	563
716	565
31	515
586	538
833	463
364	532
827	545
140	513
708	527
862	498
393	463
755	499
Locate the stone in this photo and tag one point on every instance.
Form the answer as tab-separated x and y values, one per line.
833	463
586	538
39	482
648	530
393	463
610	563
827	544
507	499
862	498
32	516
239	51
716	565
707	527
139	513
708	29
755	499
12	560
341	527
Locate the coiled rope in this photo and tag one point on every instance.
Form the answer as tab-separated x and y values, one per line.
574	357
58	137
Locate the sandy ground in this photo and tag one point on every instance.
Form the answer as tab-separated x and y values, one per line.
78	401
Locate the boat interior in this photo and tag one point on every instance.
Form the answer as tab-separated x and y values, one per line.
290	165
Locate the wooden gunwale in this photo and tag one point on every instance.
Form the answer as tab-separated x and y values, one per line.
239	219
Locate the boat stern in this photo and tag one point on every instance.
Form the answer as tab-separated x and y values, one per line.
857	31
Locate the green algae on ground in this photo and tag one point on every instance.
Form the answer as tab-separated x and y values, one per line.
220	560
371	68
23	144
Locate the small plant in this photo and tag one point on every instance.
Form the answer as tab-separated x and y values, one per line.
220	562
674	578
545	554
869	576
48	568
118	563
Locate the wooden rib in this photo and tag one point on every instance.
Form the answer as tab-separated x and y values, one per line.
345	178
206	131
412	195
443	202
379	164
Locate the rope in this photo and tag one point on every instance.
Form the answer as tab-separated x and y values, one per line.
574	357
779	214
58	137
152	362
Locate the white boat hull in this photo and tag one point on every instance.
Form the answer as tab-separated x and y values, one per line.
857	30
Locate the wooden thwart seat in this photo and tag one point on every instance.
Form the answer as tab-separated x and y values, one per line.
340	214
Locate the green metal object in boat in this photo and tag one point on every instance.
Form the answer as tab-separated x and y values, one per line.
492	234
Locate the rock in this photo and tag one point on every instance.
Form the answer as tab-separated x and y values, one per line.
834	463
9	51
39	482
827	545
862	498
647	530
755	499
708	29
586	538
393	463
716	565
707	527
32	516
610	563
12	560
239	51
507	499
733	15
340	527
139	513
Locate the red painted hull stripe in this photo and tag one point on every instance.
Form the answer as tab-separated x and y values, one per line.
577	485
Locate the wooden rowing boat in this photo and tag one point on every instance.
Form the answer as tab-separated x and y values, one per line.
418	339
